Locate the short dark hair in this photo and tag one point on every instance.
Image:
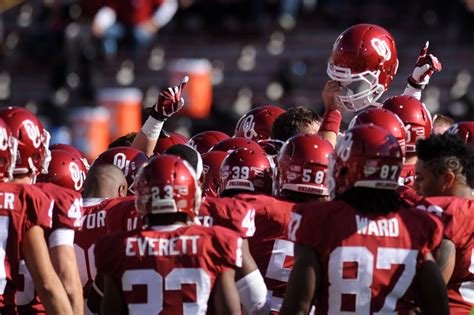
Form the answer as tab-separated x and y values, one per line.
443	153
293	122
372	200
123	141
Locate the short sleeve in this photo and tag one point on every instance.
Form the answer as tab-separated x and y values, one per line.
39	208
236	215
68	210
302	227
226	248
122	216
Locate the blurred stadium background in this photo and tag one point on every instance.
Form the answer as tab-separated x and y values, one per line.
239	54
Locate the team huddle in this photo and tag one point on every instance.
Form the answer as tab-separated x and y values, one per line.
290	215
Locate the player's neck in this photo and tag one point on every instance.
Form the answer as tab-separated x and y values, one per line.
462	191
410	159
23	179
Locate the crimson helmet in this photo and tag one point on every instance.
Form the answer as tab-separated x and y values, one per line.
167	184
257	123
365	156
211	162
128	159
414	115
464	130
65	170
232	144
72	150
303	165
245	169
364	61
204	141
168	139
8	151
383	118
33	140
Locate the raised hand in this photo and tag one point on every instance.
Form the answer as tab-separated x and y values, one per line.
425	66
169	101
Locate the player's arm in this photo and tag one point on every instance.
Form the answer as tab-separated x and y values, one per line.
250	284
112	303
302	282
445	257
226	298
332	116
168	103
47	284
64	262
433	294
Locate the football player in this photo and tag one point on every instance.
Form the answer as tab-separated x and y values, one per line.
445	176
105	187
247	175
33	159
24	217
418	126
295	121
362	251
183	267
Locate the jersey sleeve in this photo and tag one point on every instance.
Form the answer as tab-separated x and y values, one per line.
302	225
68	210
233	214
39	208
122	216
226	248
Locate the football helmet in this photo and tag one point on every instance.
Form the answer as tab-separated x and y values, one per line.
33	155
66	170
464	130
70	149
414	115
204	141
245	169
8	150
365	156
167	184
211	166
129	160
232	144
303	165
168	139
364	61
257	123
383	118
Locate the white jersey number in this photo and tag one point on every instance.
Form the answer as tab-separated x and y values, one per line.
361	285
172	282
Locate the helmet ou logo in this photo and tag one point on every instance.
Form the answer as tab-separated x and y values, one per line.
343	148
33	133
381	48
77	175
248	126
120	160
3	139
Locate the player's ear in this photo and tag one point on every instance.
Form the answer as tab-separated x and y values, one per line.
448	178
122	189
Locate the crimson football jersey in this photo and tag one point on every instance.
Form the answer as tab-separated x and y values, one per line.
457	215
270	247
123	216
21	207
407	175
231	213
66	214
368	262
168	269
93	228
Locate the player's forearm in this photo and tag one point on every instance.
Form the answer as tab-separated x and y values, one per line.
64	261
226	297
145	143
47	283
445	258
